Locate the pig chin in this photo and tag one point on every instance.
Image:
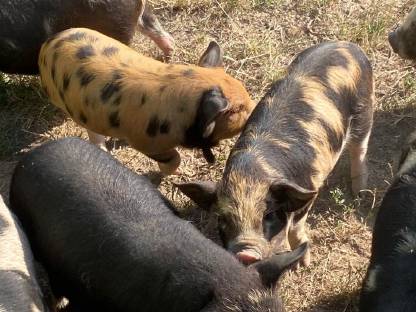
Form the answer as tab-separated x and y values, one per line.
249	249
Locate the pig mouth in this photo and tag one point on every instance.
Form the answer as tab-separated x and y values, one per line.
248	256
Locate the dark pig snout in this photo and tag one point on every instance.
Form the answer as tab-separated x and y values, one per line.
394	43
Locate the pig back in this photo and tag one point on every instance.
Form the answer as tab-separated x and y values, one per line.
108	237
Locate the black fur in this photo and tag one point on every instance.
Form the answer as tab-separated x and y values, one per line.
83	118
165	127
110	51
85	52
111	87
114	119
153	126
111	242
394	284
84	77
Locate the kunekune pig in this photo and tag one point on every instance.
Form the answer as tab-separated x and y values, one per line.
110	89
111	242
26	24
23	284
390	283
403	39
290	144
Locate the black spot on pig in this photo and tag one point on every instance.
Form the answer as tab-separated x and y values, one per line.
143	100
114	119
66	81
85	52
165	127
84	77
62	95
53	72
111	87
153	126
83	118
117	101
189	73
59	44
110	51
79	35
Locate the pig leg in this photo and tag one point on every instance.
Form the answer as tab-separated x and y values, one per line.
149	25
97	139
298	235
359	171
361	125
168	161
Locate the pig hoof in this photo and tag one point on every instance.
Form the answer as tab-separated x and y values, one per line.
358	183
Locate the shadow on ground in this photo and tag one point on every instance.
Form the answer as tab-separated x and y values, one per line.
25	114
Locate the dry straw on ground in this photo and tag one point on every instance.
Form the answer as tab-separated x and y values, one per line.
260	38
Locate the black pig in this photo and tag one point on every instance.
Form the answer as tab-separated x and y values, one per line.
390	283
26	24
111	242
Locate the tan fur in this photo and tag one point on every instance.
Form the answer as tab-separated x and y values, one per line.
314	94
170	94
248	196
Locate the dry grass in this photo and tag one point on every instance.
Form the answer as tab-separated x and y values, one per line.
260	37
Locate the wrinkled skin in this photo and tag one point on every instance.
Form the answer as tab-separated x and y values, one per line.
26	24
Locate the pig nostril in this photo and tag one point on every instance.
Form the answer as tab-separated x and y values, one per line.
248	257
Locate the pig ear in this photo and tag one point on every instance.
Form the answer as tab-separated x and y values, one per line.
292	195
212	57
203	193
213	103
271	269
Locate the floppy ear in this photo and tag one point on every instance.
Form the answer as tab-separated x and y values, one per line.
271	269
203	193
294	196
212	104
212	57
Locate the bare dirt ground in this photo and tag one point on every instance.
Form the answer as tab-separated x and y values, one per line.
260	38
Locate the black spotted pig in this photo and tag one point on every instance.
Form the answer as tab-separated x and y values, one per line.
26	24
112	90
390	283
111	242
403	39
20	285
290	144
